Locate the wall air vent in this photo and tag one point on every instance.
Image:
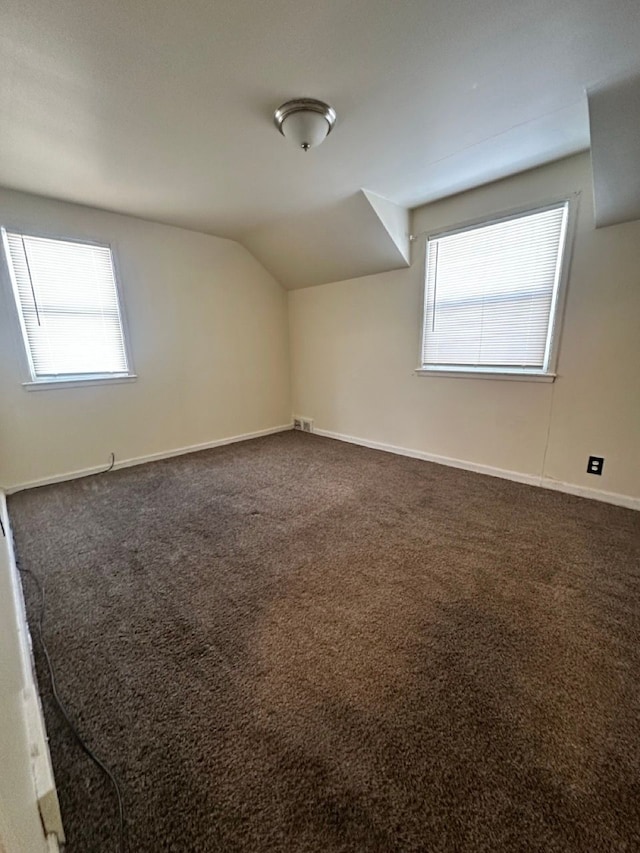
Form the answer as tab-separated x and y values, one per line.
303	424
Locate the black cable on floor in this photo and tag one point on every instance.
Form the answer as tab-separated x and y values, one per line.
54	689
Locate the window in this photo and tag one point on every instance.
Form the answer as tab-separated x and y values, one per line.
491	295
67	300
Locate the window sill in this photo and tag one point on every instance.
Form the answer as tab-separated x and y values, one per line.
486	374
76	382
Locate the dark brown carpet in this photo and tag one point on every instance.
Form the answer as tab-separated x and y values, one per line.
294	644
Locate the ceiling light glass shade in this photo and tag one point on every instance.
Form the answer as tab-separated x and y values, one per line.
305	121
305	129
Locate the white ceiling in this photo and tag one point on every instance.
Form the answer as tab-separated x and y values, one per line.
614	113
162	109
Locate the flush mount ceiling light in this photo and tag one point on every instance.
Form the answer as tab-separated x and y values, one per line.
305	121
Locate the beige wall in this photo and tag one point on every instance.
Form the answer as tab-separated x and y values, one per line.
355	344
208	335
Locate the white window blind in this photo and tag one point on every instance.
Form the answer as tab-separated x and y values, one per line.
68	302
491	294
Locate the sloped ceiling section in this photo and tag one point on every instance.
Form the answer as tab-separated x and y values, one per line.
614	117
169	115
359	235
395	219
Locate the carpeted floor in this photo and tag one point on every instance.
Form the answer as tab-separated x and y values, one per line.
298	645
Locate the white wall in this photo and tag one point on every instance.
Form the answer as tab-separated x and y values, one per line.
208	334
355	344
20	826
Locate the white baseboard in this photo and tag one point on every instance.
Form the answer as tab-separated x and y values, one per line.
627	501
140	460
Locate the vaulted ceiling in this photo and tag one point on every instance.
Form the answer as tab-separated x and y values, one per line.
163	109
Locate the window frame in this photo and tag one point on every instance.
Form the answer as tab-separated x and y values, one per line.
71	380
548	373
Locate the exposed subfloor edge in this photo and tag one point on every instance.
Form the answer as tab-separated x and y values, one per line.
627	501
